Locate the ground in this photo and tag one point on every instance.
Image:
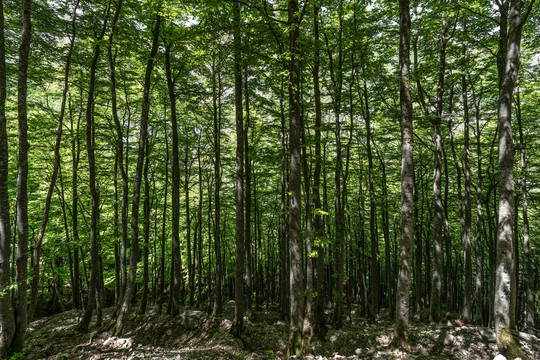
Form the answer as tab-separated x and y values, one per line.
194	336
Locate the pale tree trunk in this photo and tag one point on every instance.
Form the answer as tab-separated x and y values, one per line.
401	336
130	286
7	318
504	281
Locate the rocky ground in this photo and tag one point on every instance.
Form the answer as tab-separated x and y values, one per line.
194	336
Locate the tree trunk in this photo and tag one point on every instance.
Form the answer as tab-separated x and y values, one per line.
217	186
147	207
320	328
529	283
407	183
505	283
94	288
239	300
120	152
76	151
45	218
161	288
130	287
295	214
247	194
7	318
372	215
177	284
467	298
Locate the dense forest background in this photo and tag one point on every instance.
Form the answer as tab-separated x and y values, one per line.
188	153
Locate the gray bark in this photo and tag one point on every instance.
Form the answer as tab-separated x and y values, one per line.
407	183
504	281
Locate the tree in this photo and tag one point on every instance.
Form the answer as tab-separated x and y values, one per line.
130	287
7	318
21	314
238	322
401	336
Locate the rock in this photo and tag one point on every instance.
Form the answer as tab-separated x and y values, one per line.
500	357
191	319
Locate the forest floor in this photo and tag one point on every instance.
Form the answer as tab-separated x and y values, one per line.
193	336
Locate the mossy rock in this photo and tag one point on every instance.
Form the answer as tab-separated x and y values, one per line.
509	347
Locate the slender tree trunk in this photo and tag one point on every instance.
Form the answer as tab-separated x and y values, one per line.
7	318
217	186
529	283
247	194
336	75
468	296
45	218
75	150
372	215
239	299
320	328
147	207
177	284
161	289
435	303
94	289
401	335
308	313
130	287
120	150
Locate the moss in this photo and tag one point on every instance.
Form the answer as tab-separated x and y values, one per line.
508	346
295	344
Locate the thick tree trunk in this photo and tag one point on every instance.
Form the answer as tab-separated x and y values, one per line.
295	214
504	281
401	336
130	287
21	318
7	318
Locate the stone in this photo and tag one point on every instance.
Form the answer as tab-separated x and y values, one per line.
500	357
